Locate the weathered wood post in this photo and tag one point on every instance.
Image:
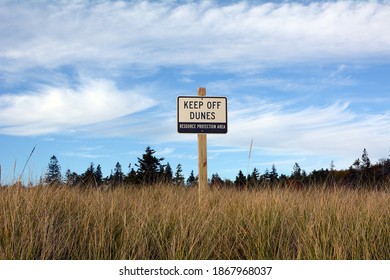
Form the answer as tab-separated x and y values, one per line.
202	158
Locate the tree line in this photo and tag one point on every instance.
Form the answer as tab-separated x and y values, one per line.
150	170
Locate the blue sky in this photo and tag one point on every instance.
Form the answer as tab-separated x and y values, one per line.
97	81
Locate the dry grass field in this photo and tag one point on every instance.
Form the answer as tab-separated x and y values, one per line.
166	222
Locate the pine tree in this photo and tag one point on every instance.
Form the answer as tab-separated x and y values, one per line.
240	181
192	180
332	166
98	175
216	180
149	167
356	164
71	178
265	178
132	177
366	163
273	174
366	168
53	175
88	177
297	171
118	176
179	178
168	174
253	179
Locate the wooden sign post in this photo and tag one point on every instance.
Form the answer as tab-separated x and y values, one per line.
202	114
202	158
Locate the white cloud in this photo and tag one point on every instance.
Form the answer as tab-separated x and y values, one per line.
52	109
82	155
333	130
91	152
148	34
167	151
282	129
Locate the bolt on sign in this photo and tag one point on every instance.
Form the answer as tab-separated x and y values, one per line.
201	114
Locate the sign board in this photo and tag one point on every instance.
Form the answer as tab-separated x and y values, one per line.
201	114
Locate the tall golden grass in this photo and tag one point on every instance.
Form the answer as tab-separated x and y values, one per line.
166	222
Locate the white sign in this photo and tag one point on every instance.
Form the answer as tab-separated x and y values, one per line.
201	114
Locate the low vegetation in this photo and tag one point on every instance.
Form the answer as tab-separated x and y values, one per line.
167	222
150	170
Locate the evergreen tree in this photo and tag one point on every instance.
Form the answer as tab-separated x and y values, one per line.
332	166
149	167
216	180
283	180
167	174
160	178
192	180
365	163
98	175
118	176
228	183
68	177
304	176
356	165
240	181
88	177
71	178
385	166
332	172
367	173
132	177
53	175
297	171
179	178
253	179
266	176
273	174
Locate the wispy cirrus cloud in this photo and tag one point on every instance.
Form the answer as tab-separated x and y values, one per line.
92	152
154	34
283	128
333	129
